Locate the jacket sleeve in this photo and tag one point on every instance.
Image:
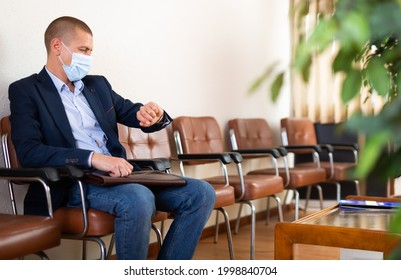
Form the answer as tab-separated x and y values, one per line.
126	113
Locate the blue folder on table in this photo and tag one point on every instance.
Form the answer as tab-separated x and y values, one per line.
363	204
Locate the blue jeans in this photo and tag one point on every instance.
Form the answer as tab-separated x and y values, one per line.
134	205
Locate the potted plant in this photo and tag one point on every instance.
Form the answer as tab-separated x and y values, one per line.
368	34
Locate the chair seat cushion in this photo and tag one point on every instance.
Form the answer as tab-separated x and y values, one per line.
100	223
160	216
71	220
341	169
299	176
224	195
256	186
24	235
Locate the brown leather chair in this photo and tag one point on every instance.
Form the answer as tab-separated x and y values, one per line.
252	137
25	235
198	139
142	146
147	146
301	132
76	223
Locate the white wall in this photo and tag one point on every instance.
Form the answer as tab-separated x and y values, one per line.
192	57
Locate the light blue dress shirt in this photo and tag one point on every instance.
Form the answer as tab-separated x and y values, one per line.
87	133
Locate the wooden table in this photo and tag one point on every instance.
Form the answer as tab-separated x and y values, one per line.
334	227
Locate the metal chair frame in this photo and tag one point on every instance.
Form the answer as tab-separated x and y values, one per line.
329	148
221	209
237	159
104	253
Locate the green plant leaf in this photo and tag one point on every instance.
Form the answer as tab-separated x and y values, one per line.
378	76
354	31
257	84
395	224
384	19
351	85
343	61
371	152
303	59
276	86
262	78
323	35
364	124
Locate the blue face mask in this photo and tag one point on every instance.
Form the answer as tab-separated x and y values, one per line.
79	67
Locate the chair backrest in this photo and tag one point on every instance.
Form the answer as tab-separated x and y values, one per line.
199	134
141	145
9	157
250	134
299	131
9	154
335	133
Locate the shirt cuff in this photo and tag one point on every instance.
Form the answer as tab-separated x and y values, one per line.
161	118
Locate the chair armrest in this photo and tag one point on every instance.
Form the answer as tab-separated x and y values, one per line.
160	164
225	158
273	152
236	157
47	174
71	172
44	176
345	146
283	151
327	147
293	148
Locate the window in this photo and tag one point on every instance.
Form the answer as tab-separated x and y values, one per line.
319	99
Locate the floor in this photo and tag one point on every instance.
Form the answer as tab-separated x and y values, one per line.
264	244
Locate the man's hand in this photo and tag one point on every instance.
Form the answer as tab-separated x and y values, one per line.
117	167
149	114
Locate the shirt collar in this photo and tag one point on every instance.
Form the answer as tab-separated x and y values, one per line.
60	85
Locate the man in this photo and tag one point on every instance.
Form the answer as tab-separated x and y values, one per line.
62	117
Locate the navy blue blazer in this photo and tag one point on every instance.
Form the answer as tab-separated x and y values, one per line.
42	135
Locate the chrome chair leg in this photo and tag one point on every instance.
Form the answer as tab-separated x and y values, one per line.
42	255
267	211
216	232
253	225
296	204
286	197
162	228
307	197
338	190
357	188
158	235
319	188
228	231
99	242
238	219
308	193
111	247
279	209
338	187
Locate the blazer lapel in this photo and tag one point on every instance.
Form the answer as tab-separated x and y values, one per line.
52	100
113	143
97	108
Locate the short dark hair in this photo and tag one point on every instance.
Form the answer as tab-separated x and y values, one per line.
64	27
